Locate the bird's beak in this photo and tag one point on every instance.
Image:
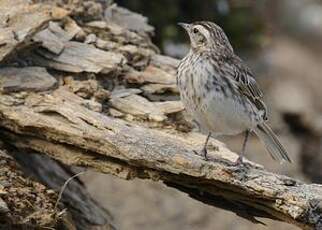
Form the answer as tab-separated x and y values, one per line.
185	26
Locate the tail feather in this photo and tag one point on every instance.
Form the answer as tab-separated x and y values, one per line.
272	144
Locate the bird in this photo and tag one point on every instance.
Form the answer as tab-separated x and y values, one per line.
220	92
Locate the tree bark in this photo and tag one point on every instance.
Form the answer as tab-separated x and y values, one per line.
75	135
110	104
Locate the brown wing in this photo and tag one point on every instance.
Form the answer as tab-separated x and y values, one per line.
246	83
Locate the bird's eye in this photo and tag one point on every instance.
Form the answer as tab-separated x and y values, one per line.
195	30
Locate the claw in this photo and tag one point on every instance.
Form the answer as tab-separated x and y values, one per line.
239	162
203	153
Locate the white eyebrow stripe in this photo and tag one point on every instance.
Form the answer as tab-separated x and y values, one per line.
203	30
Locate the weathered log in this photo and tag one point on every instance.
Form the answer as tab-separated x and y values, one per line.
69	132
140	106
25	79
151	74
128	19
66	125
72	59
54	37
19	23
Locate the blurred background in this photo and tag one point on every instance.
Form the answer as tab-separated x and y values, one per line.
281	41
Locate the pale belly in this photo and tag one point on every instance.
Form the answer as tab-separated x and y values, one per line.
222	116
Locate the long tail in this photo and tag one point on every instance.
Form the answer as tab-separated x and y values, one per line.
272	144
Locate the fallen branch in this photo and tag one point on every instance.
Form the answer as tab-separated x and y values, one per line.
86	56
75	135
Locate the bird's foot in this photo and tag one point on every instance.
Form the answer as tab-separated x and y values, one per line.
203	153
240	168
239	162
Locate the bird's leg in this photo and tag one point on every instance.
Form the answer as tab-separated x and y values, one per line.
204	148
241	155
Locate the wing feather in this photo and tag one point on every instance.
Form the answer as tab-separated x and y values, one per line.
245	82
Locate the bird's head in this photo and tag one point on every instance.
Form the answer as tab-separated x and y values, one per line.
206	35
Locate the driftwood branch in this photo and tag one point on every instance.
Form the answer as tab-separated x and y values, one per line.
94	93
78	136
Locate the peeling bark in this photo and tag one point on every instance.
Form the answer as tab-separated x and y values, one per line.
19	23
75	135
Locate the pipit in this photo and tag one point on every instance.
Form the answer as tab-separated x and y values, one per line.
220	92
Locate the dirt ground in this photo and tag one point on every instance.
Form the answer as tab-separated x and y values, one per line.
29	203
